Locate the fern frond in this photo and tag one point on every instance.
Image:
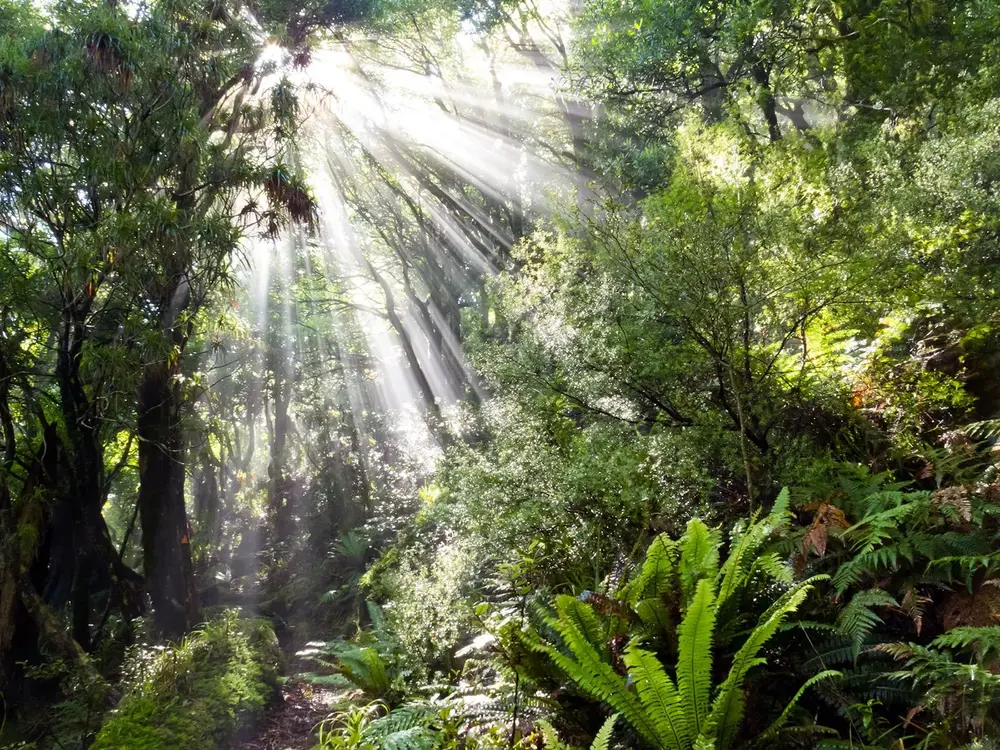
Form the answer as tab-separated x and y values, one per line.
694	654
857	619
776	726
583	618
597	678
699	555
656	577
983	640
746	658
780	513
654	615
988	429
659	697
775	568
550	736
731	717
603	739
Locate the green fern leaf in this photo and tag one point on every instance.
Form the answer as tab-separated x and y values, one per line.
583	618
699	555
596	677
656	578
746	658
694	655
731	718
772	731
603	739
659	697
983	640
654	615
550	737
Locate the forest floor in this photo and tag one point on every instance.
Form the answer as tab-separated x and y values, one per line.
290	723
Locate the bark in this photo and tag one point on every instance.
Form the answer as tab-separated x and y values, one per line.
81	553
52	631
796	115
280	499
8	587
435	422
84	497
207	500
167	562
9	556
767	102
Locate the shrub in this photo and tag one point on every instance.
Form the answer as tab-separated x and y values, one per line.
199	694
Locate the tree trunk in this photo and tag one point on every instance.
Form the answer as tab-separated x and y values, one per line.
280	494
88	554
766	100
9	564
166	542
9	555
207	500
52	631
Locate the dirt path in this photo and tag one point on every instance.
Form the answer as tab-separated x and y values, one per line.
290	722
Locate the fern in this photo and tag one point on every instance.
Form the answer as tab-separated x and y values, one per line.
987	430
660	698
603	739
582	617
857	619
694	657
682	715
654	616
656	577
727	707
596	677
699	555
983	640
772	731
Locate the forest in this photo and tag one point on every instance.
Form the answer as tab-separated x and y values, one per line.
499	374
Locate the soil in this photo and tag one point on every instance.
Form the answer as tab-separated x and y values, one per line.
290	723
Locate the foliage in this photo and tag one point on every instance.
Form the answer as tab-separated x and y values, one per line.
466	312
413	726
682	603
201	693
904	565
372	661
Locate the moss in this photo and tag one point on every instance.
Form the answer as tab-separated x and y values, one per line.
200	694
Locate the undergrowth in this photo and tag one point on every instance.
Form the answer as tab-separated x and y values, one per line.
202	693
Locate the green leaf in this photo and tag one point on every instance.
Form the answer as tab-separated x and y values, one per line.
603	739
659	698
694	654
